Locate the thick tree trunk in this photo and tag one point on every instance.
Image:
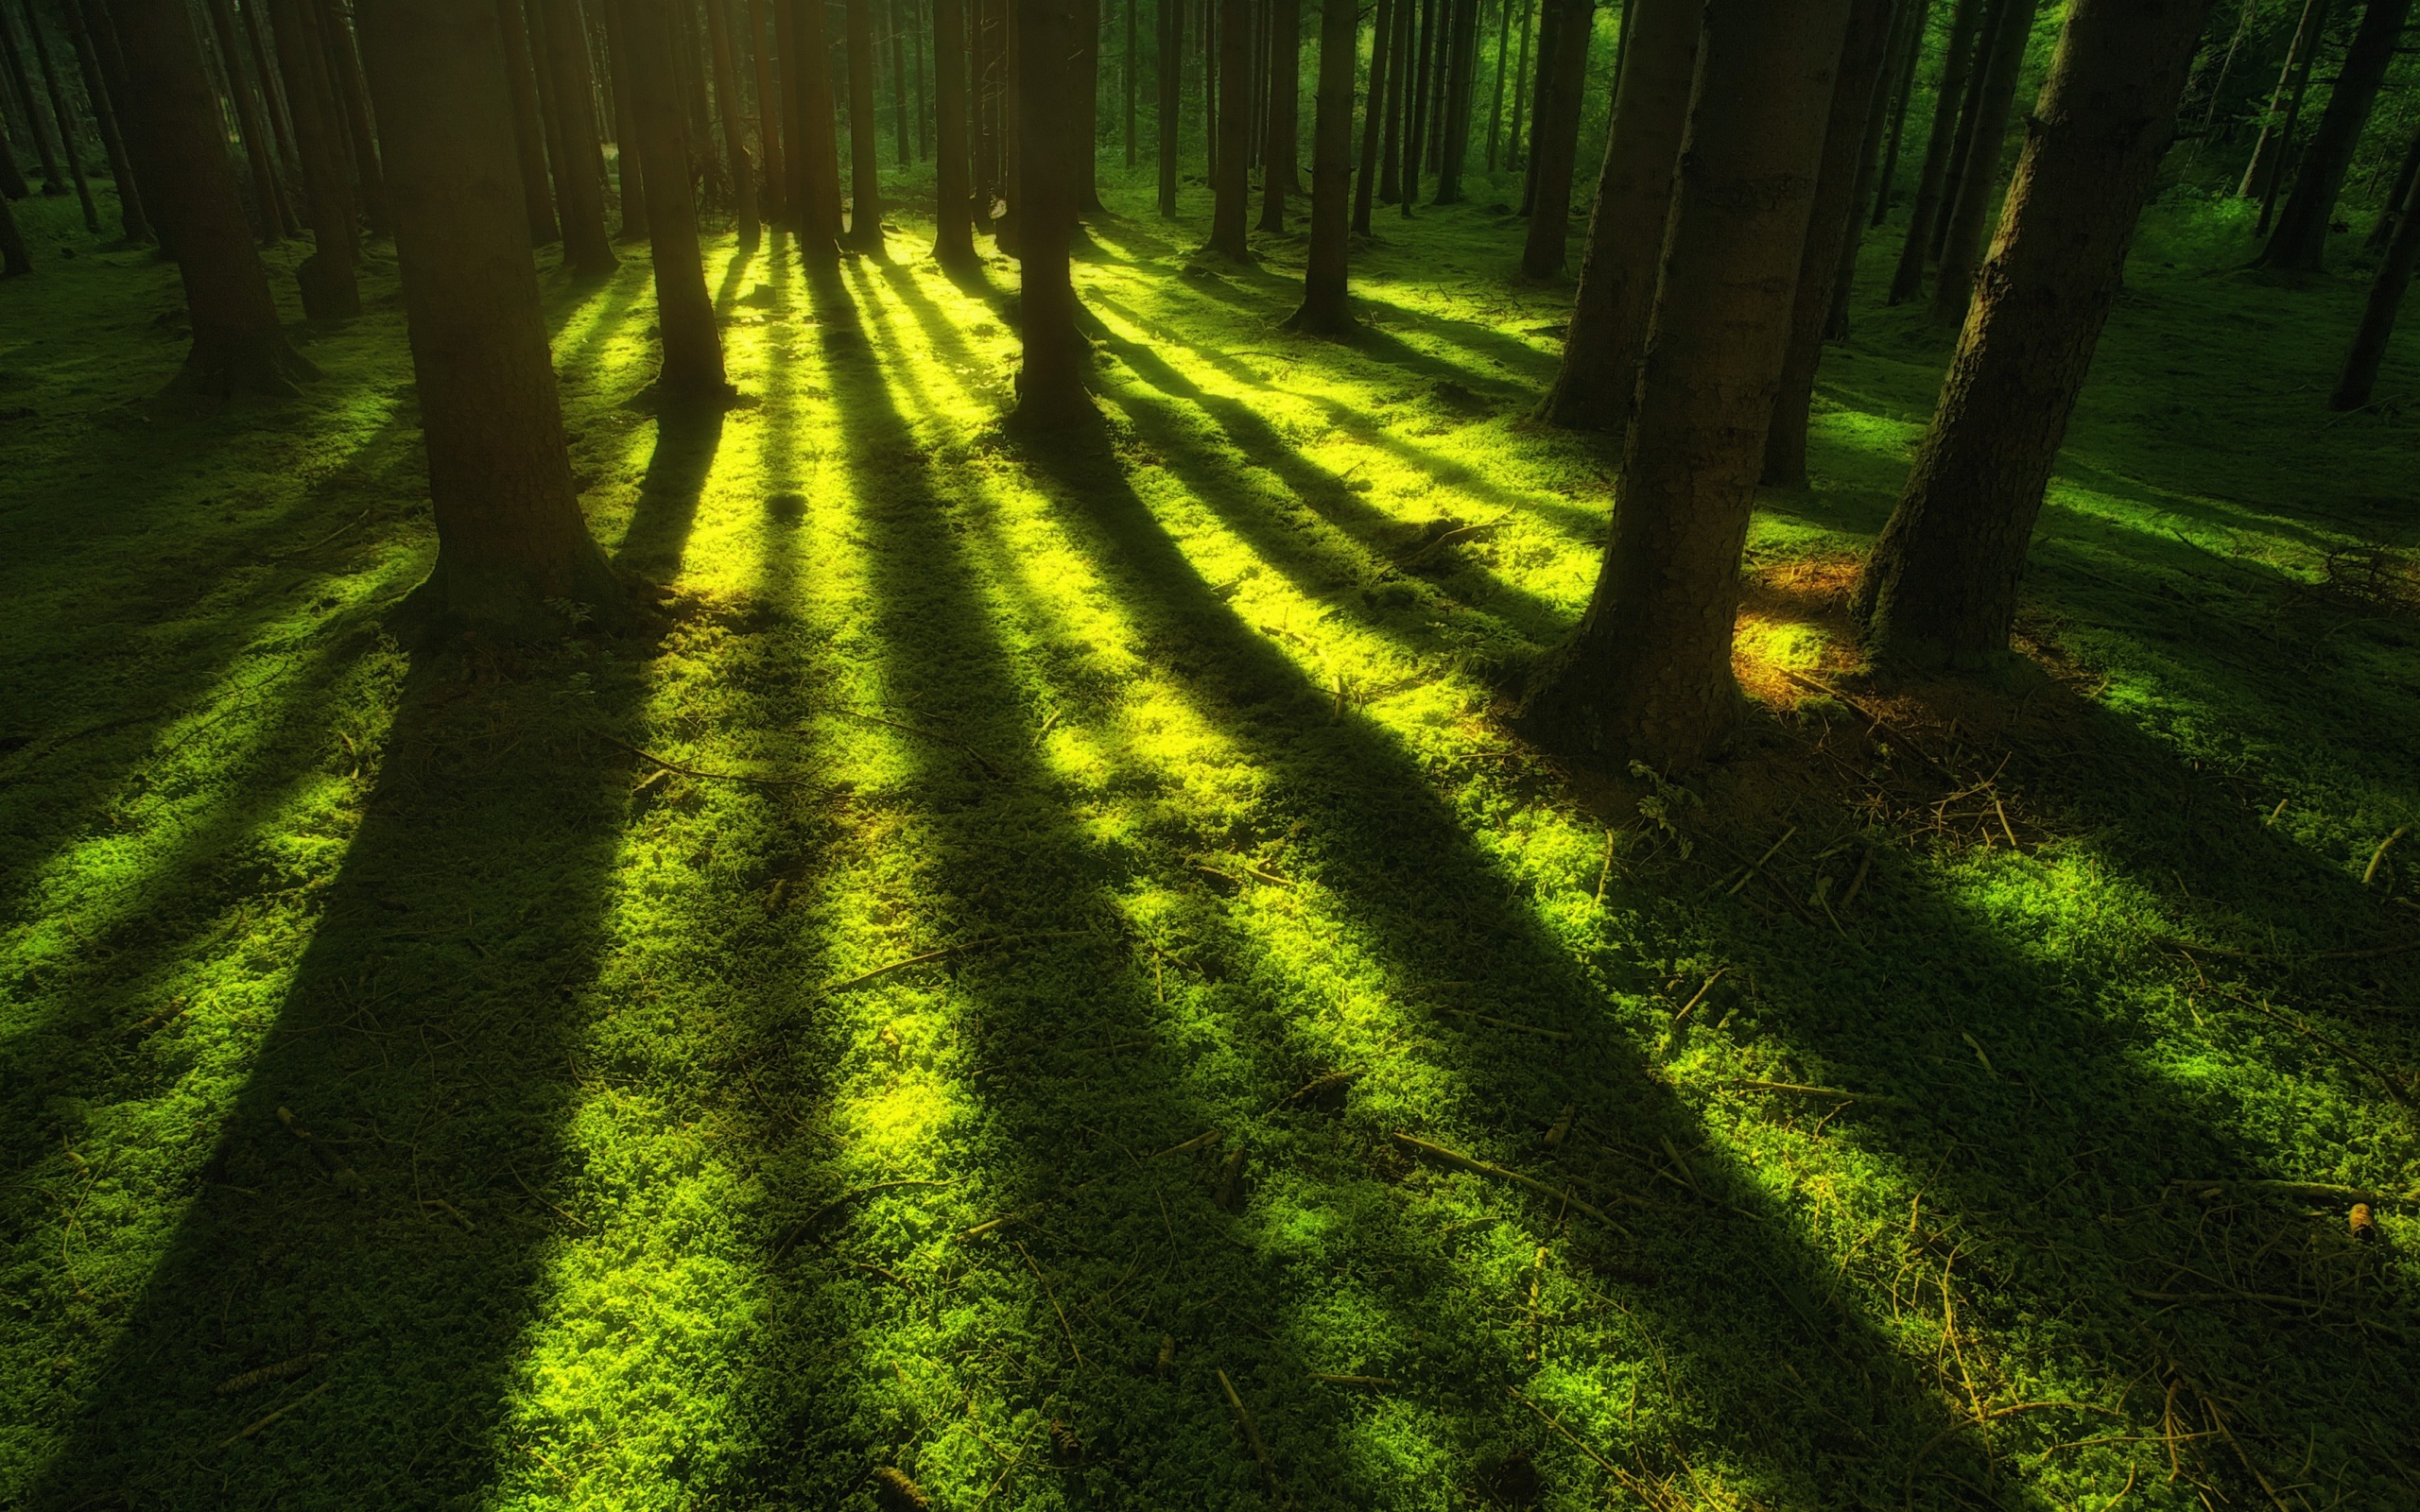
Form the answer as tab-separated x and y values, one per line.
1231	178
335	28
734	134
260	155
814	140
1284	93
1168	118
1869	156
865	166
580	168
1618	271
772	174
2294	77
1398	65
2387	289
1941	585
1382	51
1978	180
329	289
1835	208
1050	383
2300	241
954	203
1903	90
511	542
1647	676
238	344
684	314
529	135
1324	311
54	180
131	224
66	119
1965	24
1549	238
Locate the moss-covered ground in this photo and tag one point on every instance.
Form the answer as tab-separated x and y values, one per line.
461	1077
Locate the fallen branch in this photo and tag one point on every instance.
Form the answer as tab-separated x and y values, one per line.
1251	1436
1566	1433
2377	857
2317	1191
1464	1163
268	1373
654	758
250	1429
1811	1091
1379	1382
1977	1421
1515	1027
948	951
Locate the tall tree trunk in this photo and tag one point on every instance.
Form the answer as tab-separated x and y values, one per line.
773	172
1004	230
121	90
1513	156
335	26
865	167
954	202
1455	149
1398	67
1970	111
1956	58
734	132
2294	77
898	80
1549	242
629	162
1647	676
15	261
1941	585
1285	99
984	107
2387	289
12	179
131	224
1833	215
1903	90
1230	181
529	135
1211	14
238	346
54	180
510	535
1168	116
329	291
279	117
1422	73
2382	230
1133	83
1085	87
691	67
684	315
1869	158
2300	241
579	169
1541	85
66	119
815	140
260	154
1050	383
1618	271
916	52
1495	96
1978	181
1374	106
1324	310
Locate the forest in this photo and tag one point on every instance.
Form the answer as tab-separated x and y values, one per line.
1381	754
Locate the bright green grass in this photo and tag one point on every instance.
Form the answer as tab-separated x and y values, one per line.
644	1212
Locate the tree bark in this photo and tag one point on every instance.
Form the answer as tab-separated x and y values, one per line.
1324	310
1558	142
1421	71
629	164
813	138
1496	94
954	203
1542	85
1513	156
1382	51
1647	676
335	28
329	288
772	174
1833	214
1869	158
898	82
865	167
2387	289
1168	118
1285	98
734	132
15	261
2300	242
2382	230
1231	179
1050	383
2293	78
269	193
579	169
528	134
279	117
684	315
1083	133
131	224
1132	82
1618	271
1398	64
1454	152
66	119
1908	278
1903	89
1941	585
510	542
1979	181
54	181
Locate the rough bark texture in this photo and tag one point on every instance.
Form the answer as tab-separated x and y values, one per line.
2300	241
954	204
1647	676
1168	118
1373	113
131	223
1592	391
329	289
1324	311
1398	64
629	164
1978	177
579	169
1558	141
808	81
1941	585
1284	95
865	164
735	135
684	314
528	134
1230	175
2387	289
237	343
772	176
510	535
1420	65
1908	278
1835	208
1050	383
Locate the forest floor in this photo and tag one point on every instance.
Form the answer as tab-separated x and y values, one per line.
1051	972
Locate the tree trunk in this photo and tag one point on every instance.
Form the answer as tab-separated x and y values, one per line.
1422	63
2386	297
1647	676
1455	149
1513	156
1284	100
1004	229
280	117
865	167
692	65
814	139
898	82
734	134
579	170
954	202
329	289
629	162
1979	181
529	135
1618	271
510	542
1869	156
772	173
1542	84
1230	181
684	315
14	260
88	62
1941	585
2382	232
1903	89
66	119
1398	65
54	181
1133	83
1956	58
1495	93
1543	255
1050	383
1382	51
121	92
354	95
1324	311
1083	133
269	193
2293	78
1168	118
1833	215
2300	242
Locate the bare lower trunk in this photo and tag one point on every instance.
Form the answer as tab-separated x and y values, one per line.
61	113
260	148
528	134
1978	180
2285	102
1169	117
1284	91
2387	289
1903	88
1905	31
54	179
773	176
2300	241
1455	149
579	169
1382	51
131	223
735	136
629	164
1084	91
684	315
1558	142
954	205
1908	279
806	80
15	260
1324	311
865	141
1941	585
1050	383
1230	175
329	289
1647	676
345	60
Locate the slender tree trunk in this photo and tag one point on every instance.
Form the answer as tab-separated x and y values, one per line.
12	179
1231	179
238	345
1833	215
88	62
897	40
1647	676
1168	117
66	119
1903	90
528	136
1513	156
692	66
329	288
813	137
1285	96
1398	66
280	117
1978	181
1843	281
121	92
772	171
1324	310
1941	585
1908	279
916	52
1212	18
2387	289
580	168
335	26
1084	131
260	155
2300	241
1455	149
2382	232
2293	78
1970	111
684	314
15	261
1374	106
1050	383
865	169
1004	230
1543	255
982	123
1133	85
1618	271
1495	96
954	202
629	164
510	535
734	134
1541	85
1424	62
54	181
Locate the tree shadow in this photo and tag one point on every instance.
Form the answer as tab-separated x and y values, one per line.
687	436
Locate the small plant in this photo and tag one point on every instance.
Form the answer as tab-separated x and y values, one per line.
1659	807
571	611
